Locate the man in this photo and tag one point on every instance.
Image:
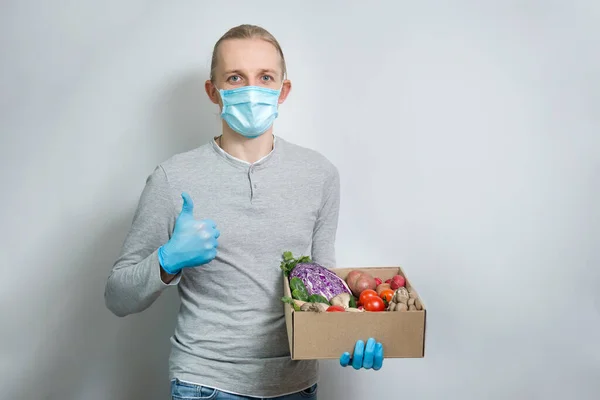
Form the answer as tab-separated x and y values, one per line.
214	222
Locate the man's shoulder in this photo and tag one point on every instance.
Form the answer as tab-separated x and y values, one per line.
310	157
188	160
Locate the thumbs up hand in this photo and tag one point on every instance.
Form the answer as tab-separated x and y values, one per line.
193	243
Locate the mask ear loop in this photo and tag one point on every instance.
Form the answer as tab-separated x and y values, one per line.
222	113
283	79
218	90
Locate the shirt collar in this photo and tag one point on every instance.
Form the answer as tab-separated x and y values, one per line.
242	163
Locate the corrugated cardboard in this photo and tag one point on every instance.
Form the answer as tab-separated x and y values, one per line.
328	335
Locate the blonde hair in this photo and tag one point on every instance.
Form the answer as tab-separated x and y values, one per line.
246	31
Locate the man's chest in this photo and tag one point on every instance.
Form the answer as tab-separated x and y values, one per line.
258	212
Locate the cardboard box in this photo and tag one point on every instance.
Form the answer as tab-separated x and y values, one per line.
328	335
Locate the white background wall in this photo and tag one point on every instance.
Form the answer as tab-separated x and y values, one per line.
473	160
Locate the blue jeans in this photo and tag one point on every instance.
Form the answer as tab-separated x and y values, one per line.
188	391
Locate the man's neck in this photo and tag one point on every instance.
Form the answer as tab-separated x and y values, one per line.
249	150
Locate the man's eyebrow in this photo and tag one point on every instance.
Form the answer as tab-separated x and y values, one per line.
232	71
237	71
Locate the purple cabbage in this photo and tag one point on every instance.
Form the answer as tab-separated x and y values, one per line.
319	280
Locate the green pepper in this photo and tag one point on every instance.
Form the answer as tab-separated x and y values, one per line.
317	298
352	302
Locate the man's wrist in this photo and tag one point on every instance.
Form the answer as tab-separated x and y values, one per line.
166	274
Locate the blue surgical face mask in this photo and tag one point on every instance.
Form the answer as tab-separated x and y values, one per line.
250	110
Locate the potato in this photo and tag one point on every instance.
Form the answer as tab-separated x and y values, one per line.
411	302
418	304
401	296
412	308
352	277
315	307
365	282
358	281
401	307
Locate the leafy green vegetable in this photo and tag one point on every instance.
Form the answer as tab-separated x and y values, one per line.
297	284
299	291
299	295
289	300
289	262
317	298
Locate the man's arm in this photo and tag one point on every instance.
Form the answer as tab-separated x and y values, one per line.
325	230
137	279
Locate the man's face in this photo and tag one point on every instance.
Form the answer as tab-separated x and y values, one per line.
248	62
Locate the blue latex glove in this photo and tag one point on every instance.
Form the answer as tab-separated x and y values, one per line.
369	356
193	242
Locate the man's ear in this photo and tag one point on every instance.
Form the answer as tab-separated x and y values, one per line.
212	92
285	90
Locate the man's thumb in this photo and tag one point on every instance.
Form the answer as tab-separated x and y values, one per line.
188	204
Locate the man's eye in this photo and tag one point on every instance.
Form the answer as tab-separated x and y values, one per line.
267	78
233	78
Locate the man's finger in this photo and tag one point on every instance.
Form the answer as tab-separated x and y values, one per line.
357	357
188	204
368	358
345	359
209	223
378	357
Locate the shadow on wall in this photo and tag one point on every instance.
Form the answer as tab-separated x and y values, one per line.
184	117
94	354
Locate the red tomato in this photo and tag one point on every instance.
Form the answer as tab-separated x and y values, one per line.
366	294
374	304
336	309
387	294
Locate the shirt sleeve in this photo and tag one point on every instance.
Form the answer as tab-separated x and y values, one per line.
325	230
134	282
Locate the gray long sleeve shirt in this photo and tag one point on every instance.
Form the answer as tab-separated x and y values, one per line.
230	332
